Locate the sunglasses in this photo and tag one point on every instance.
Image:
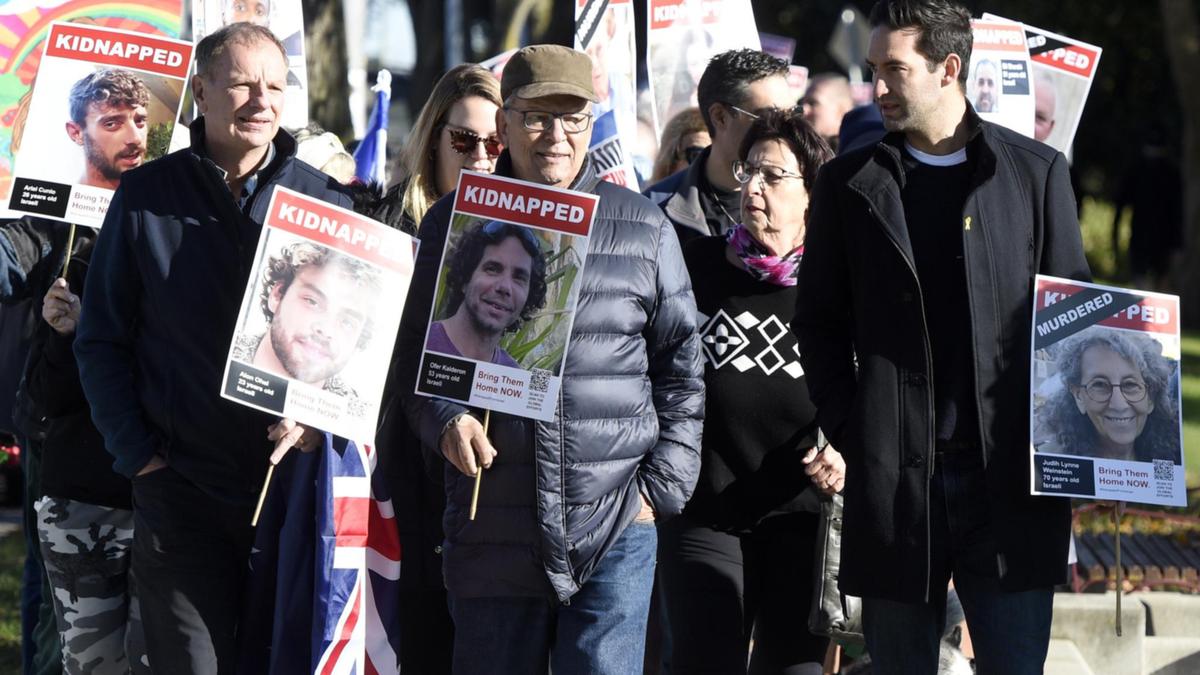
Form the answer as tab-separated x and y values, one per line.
692	153
464	142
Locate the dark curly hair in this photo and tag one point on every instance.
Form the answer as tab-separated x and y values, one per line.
944	27
730	73
790	127
1075	433
469	252
282	270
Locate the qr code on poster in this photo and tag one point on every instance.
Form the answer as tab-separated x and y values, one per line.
539	380
1164	469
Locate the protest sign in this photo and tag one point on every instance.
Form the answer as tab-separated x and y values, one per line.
1105	397
604	29
683	36
1063	70
104	102
506	295
319	317
21	53
999	79
285	18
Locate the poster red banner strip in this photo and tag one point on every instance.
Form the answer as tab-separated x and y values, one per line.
998	36
668	13
500	199
1072	59
339	229
121	49
1154	314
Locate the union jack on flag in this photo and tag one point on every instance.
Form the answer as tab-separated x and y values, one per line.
357	566
324	570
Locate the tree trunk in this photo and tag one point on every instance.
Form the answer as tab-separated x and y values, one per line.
1182	40
325	53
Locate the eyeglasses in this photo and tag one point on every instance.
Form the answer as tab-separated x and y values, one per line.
763	111
498	228
692	153
1100	390
745	172
538	120
464	142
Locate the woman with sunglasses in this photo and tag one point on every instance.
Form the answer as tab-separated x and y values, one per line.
1115	399
455	130
738	562
683	139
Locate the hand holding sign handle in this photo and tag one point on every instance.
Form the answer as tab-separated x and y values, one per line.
487	417
286	434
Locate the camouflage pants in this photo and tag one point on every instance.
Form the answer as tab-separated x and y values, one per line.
86	550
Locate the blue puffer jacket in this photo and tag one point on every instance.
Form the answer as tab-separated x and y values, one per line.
629	414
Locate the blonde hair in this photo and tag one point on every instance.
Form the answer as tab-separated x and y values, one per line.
418	160
685	123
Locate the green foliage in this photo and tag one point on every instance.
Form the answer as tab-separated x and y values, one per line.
1095	224
541	342
12	559
158	140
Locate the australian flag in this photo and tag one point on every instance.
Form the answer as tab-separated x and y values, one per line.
325	569
370	157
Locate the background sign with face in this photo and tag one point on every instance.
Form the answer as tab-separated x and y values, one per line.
1000	77
285	18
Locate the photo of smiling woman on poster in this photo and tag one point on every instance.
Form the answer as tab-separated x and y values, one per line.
1116	399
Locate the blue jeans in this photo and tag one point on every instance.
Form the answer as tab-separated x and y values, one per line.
1010	631
600	630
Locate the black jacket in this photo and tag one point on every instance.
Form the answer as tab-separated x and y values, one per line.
159	311
74	463
678	195
860	296
628	418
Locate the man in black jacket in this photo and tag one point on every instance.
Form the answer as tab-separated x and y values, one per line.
914	325
159	312
705	199
557	568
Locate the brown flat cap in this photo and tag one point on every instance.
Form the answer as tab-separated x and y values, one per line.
546	70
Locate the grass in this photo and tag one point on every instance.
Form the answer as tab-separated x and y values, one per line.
1190	383
12	560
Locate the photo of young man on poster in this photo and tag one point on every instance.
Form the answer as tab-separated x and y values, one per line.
318	306
109	121
495	280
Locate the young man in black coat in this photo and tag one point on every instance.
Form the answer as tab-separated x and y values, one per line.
914	323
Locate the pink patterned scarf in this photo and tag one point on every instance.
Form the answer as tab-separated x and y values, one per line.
760	262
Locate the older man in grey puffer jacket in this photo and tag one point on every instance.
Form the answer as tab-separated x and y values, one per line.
557	568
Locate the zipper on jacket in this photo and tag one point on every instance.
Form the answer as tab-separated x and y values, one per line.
929	440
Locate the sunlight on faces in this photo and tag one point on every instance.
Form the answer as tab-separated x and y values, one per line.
318	321
775	214
768	92
496	293
551	156
257	12
113	139
1118	422
822	109
241	97
477	115
908	95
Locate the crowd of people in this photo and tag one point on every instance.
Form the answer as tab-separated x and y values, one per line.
765	326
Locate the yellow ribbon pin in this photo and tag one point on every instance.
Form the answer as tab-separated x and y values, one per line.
967	223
